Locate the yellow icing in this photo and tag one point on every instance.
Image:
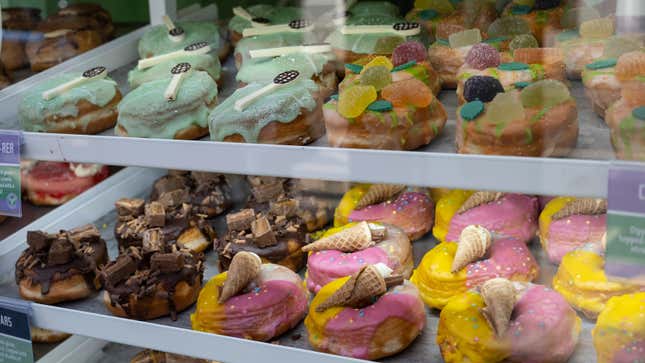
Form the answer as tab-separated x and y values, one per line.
433	278
438	193
348	203
551	208
447	206
464	334
315	321
208	305
619	325
582	281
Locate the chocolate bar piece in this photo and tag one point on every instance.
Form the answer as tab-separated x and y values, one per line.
155	214
129	207
263	236
39	241
266	192
174	198
169	183
167	262
152	240
61	252
241	220
123	267
287	207
260	180
202	177
86	233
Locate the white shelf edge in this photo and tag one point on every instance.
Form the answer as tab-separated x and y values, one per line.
74	349
544	176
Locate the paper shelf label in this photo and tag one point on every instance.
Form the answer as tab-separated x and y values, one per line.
625	255
15	334
10	198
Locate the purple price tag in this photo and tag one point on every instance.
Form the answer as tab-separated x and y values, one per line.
10	147
10	197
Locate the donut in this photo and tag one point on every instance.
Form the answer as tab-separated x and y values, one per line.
619	334
40	335
582	281
152	281
201	62
504	215
54	183
63	37
265	14
156	40
17	24
145	111
452	268
153	356
411	211
569	223
253	300
541	16
87	108
534	324
242	53
95	11
342	251
369	315
519	123
317	66
390	107
290	115
60	267
273	225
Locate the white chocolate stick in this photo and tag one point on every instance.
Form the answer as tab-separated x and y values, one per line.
193	49
179	72
280	80
275	52
56	33
403	29
255	21
92	73
175	33
297	26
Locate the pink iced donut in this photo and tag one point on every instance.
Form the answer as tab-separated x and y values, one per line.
563	235
395	251
513	215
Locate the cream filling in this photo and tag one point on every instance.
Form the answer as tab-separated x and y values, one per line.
85	170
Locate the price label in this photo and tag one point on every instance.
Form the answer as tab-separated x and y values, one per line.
625	255
15	336
10	199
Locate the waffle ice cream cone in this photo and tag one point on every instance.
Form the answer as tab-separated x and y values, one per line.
474	242
378	193
359	290
355	238
479	198
500	296
588	206
244	268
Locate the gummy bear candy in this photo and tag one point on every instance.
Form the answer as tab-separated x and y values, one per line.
597	28
482	56
409	92
483	88
353	101
505	108
508	26
465	38
378	76
378	61
386	45
409	51
545	93
523	41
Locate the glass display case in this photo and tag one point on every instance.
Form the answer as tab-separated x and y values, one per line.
398	181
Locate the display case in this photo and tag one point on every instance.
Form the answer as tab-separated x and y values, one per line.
462	154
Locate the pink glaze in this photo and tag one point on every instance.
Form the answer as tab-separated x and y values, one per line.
356	327
263	310
544	327
326	266
634	352
515	215
567	234
509	258
413	212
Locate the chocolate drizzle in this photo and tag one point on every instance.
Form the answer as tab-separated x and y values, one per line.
55	257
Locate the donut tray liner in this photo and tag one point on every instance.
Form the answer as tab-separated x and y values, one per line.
423	349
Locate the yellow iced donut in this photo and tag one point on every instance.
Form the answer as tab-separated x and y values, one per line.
582	281
619	335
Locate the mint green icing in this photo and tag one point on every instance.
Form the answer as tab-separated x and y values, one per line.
282	105
374	8
267	41
33	109
308	65
145	112
275	14
200	62
156	41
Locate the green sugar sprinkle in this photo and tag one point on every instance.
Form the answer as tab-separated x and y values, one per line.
380	106
443	42
520	9
566	35
521	85
496	39
354	68
639	113
404	66
604	63
334	97
428	14
471	110
513	66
